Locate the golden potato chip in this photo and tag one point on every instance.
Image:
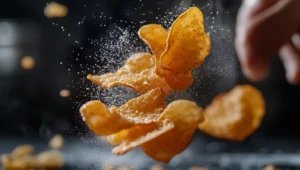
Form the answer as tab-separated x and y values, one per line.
100	120
132	75
186	116
155	36
197	168
269	167
22	150
127	146
144	109
51	159
131	134
179	81
234	115
157	167
187	44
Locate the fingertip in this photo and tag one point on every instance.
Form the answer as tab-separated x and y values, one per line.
255	71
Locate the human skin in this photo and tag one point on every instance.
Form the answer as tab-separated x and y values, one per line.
265	27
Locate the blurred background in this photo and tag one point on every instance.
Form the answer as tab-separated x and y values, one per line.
44	63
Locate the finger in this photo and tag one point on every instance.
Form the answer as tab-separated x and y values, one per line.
249	9
296	40
261	35
290	57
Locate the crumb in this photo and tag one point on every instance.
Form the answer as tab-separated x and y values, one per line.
51	159
64	93
57	142
55	10
27	63
157	167
270	167
197	168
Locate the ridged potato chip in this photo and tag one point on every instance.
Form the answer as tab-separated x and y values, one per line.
144	109
186	116
100	120
234	115
155	36
127	146
131	134
138	74
187	44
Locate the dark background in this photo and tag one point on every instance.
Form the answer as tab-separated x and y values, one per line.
30	104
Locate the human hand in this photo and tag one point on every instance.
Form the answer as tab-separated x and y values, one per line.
265	27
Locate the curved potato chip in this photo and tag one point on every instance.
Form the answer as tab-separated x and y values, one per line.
127	146
186	116
100	120
234	115
131	134
155	36
187	44
144	109
132	75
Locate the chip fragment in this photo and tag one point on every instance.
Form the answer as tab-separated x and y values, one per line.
55	10
101	120
127	146
187	44
186	116
234	115
137	73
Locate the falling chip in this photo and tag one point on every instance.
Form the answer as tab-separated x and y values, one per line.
270	167
157	167
64	93
27	63
57	142
55	10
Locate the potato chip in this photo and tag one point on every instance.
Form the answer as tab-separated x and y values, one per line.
187	44
131	134
132	75
144	109
179	81
186	116
155	36
99	118
51	159
127	146
157	167
234	115
22	150
269	167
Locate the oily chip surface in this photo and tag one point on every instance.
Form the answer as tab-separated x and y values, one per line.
234	115
101	120
144	109
187	43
